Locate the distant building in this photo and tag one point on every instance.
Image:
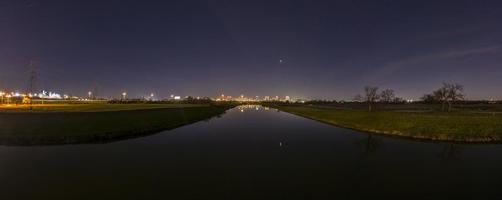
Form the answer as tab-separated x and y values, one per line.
48	95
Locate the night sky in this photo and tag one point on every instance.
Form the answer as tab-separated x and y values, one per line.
312	49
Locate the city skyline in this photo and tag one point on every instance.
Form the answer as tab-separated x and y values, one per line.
43	94
321	50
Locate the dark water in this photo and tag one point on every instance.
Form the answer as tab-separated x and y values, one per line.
253	154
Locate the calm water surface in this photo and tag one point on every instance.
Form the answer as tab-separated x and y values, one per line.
253	153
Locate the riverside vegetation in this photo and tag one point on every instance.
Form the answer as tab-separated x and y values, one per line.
96	123
433	118
468	123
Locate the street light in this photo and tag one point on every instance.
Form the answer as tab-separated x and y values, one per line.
124	94
90	94
1	95
8	96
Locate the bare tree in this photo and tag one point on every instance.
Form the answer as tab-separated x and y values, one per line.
449	94
441	95
399	100
387	96
371	96
428	98
455	92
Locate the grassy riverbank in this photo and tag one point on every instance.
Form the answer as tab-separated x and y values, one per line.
458	126
73	124
86	107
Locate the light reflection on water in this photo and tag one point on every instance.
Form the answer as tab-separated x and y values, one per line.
253	152
247	108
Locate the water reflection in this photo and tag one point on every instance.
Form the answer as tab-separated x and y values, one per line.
248	108
369	144
451	152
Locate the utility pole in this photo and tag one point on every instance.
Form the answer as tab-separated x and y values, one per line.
2	93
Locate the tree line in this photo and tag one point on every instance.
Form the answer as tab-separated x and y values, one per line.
447	95
372	95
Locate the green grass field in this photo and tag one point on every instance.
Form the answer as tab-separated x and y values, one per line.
70	124
470	124
87	107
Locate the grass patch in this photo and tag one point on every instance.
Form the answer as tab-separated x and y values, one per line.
87	107
97	124
460	126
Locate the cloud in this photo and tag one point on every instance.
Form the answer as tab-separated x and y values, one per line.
469	52
393	67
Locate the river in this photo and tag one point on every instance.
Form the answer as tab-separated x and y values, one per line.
252	152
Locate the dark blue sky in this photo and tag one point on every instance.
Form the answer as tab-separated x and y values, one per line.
329	49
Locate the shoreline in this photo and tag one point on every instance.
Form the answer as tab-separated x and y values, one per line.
436	138
41	129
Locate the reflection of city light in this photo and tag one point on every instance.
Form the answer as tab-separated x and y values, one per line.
243	98
243	108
